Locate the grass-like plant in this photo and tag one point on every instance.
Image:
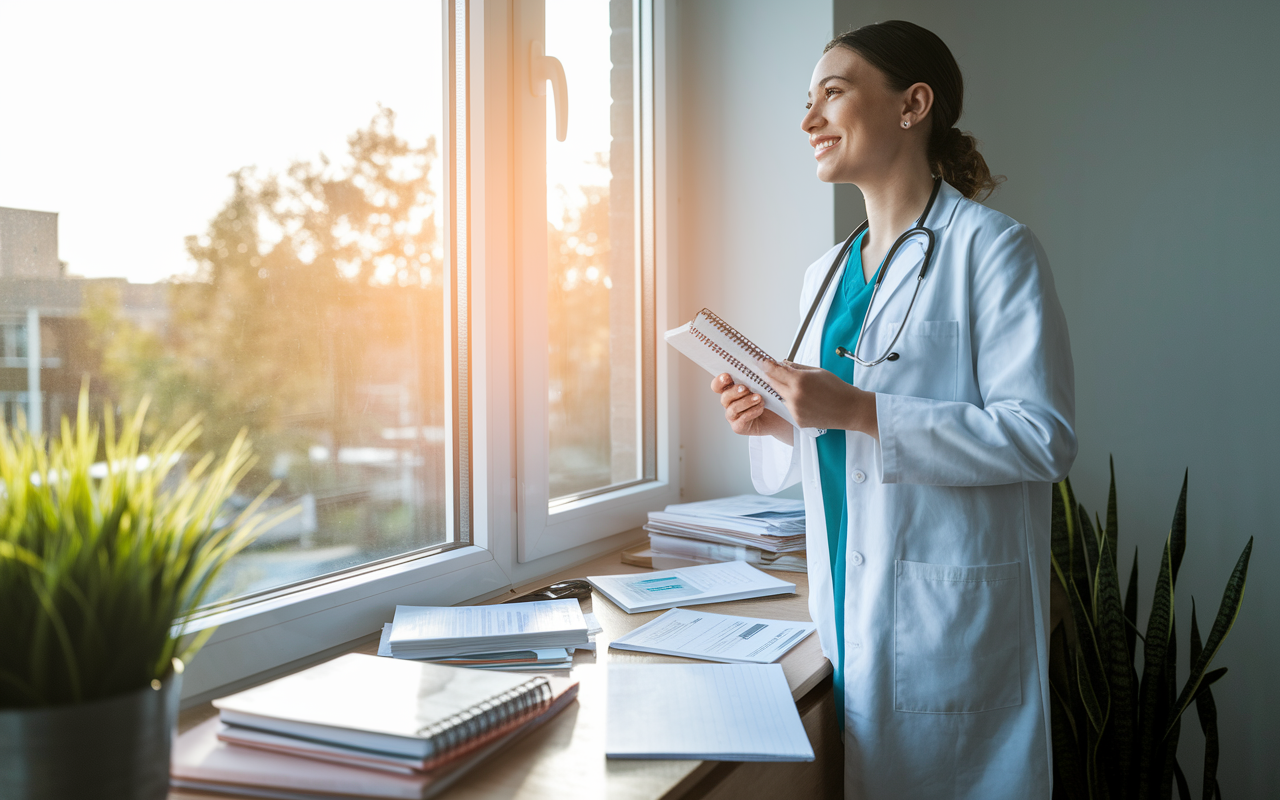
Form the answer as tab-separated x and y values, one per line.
1115	732
102	559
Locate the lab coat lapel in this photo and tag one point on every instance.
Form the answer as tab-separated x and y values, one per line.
900	276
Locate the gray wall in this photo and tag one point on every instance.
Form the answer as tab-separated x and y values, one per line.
1140	144
752	216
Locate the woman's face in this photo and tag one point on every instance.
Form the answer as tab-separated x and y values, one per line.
855	120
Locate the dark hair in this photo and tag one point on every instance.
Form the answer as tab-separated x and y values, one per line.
907	54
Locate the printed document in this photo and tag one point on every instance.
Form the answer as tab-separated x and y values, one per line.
708	583
716	637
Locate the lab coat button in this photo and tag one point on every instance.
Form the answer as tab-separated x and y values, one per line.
855	558
859	476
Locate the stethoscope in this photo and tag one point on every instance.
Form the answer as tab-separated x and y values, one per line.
916	230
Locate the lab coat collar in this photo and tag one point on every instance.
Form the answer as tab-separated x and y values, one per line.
901	274
940	216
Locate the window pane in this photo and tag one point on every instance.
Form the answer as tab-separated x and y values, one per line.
236	208
594	387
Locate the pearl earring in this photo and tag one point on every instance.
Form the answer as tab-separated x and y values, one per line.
906	124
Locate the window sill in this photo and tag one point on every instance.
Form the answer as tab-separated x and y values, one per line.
264	637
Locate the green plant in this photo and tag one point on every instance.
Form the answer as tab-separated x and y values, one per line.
1115	733
101	561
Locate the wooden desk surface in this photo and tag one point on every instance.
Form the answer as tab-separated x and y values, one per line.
565	757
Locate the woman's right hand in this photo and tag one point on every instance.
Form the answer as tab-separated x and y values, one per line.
746	413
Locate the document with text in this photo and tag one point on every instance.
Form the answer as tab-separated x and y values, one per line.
688	586
716	637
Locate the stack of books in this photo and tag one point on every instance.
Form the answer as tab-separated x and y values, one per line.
515	637
363	726
766	532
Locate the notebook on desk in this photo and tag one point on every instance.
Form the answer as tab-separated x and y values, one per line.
403	708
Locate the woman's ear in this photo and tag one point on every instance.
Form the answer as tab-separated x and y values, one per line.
917	101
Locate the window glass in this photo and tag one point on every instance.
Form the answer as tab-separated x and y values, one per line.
237	209
595	421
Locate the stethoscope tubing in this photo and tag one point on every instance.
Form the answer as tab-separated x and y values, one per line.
915	230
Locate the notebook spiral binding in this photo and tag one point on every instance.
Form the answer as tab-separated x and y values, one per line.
745	344
460	728
738	339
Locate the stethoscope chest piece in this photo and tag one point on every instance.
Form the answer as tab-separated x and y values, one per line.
843	353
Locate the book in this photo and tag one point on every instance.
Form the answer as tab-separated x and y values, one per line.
686	586
203	762
721	712
403	708
718	347
716	637
438	631
703	552
543	659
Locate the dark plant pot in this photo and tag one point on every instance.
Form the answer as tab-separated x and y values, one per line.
116	748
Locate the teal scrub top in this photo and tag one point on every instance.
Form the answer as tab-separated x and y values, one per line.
842	328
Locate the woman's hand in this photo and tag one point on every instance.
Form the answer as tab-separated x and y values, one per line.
746	412
817	398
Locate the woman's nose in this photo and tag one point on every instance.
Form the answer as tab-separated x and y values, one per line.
812	119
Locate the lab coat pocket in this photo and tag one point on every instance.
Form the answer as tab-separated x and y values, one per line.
928	363
956	638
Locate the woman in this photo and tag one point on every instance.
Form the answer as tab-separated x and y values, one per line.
926	476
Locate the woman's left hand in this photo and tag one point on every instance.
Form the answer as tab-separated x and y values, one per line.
817	398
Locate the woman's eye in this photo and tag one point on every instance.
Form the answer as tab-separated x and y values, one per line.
808	106
832	91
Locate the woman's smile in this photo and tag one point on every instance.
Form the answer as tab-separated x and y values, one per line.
821	144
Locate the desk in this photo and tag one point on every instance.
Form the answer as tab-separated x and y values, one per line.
565	758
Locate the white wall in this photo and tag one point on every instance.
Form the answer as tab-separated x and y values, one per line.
1140	145
752	215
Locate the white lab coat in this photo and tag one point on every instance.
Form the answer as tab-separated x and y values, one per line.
947	568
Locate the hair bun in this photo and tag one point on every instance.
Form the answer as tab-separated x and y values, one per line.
953	154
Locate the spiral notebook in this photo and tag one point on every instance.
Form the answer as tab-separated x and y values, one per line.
386	705
717	347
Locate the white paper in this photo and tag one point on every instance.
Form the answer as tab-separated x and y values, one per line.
716	637
420	623
707	583
725	712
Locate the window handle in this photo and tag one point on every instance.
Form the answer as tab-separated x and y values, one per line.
543	68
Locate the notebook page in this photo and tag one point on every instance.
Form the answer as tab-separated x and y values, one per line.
725	712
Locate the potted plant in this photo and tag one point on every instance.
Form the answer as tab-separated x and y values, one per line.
1115	731
106	547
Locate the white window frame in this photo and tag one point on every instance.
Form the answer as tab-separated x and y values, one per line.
545	530
256	640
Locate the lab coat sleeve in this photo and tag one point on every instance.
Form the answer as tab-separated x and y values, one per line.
1024	430
774	465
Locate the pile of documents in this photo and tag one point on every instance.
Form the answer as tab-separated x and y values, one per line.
362	725
532	636
767	532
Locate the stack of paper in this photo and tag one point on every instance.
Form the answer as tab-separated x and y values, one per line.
765	531
516	637
362	725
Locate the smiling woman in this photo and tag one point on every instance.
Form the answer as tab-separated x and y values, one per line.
926	470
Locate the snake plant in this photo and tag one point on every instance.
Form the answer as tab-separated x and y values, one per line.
105	548
1115	731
